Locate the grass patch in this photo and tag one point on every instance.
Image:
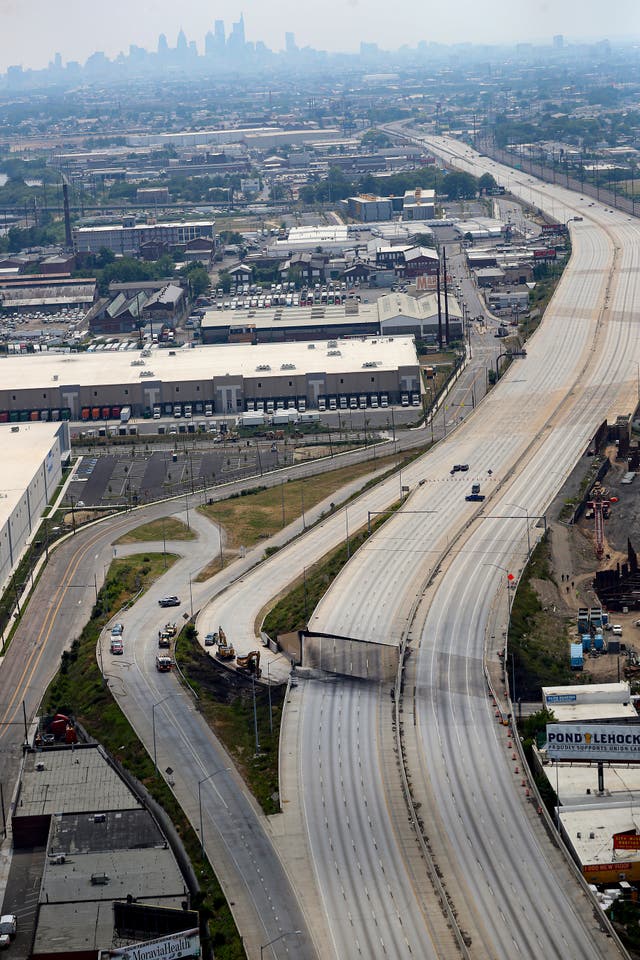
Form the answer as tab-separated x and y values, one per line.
166	528
258	516
214	566
538	638
292	611
226	701
79	689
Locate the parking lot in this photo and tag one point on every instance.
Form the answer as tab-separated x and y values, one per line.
136	476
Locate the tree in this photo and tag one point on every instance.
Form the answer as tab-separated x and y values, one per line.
487	183
460	186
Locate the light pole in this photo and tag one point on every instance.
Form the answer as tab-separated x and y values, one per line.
200	782
288	933
269	662
153	724
638	377
346	520
526	510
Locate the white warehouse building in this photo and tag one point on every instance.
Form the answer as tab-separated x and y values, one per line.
33	456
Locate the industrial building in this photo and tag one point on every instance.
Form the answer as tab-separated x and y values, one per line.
128	237
227	379
46	293
330	238
33	455
593	701
369	209
395	313
109	868
419	204
256	138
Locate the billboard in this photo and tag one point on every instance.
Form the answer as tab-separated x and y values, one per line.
185	944
593	741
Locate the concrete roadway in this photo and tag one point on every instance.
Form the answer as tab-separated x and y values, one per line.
579	368
580	365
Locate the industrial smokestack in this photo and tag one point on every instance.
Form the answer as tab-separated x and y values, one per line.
446	295
68	240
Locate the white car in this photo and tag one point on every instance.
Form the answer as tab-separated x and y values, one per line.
616	630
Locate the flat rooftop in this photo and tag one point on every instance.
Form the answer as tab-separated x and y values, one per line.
416	308
569	712
23	452
590	701
291	317
578	783
590	831
80	780
205	362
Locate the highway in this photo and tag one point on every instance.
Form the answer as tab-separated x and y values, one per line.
511	891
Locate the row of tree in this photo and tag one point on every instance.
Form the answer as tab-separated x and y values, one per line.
337	186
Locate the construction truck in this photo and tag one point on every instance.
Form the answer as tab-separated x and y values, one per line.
225	649
171	629
250	663
164	638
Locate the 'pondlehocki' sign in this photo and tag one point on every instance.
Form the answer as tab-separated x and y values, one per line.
593	741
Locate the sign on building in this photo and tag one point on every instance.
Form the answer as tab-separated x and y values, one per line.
185	944
561	698
593	741
626	841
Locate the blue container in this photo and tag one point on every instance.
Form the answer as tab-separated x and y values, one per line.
586	642
599	641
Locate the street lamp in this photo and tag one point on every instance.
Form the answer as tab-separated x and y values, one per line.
288	933
200	782
526	510
269	662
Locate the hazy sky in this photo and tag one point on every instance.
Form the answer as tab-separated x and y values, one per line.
31	31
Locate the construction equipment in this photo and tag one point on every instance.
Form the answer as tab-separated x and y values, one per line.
250	663
600	506
225	649
170	629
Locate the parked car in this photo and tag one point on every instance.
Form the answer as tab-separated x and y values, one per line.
616	630
210	639
459	468
169	601
117	629
116	647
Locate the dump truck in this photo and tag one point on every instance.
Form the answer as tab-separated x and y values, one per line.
250	663
164	640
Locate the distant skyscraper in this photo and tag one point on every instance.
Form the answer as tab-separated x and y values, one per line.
163	46
290	42
558	42
209	44
181	45
236	37
219	34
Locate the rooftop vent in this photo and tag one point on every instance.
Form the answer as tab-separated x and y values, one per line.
263	366
311	346
334	353
287	366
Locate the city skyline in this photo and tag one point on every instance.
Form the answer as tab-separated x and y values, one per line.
77	35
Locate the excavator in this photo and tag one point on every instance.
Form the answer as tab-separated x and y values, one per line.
250	663
225	649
